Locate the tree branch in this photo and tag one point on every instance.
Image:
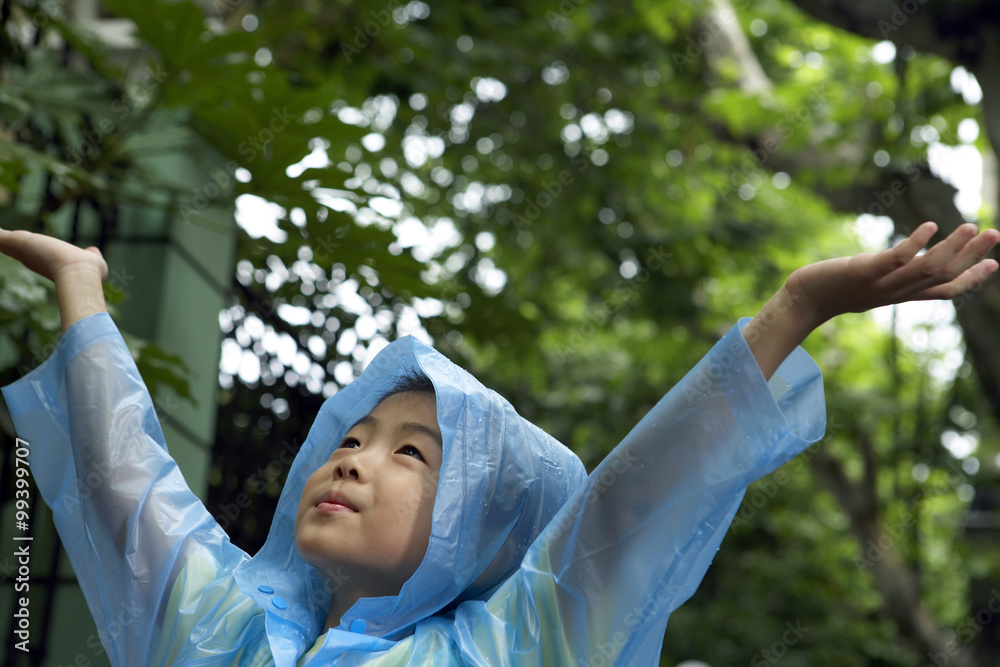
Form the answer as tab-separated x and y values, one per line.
967	33
948	29
879	554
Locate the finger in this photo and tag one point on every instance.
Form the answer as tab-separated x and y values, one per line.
970	254
968	280
939	264
903	252
941	254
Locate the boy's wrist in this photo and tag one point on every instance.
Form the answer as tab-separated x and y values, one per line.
80	293
807	311
788	315
781	325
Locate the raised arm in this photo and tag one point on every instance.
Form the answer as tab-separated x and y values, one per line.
819	292
635	542
124	512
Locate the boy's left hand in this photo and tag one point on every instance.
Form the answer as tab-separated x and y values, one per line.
831	287
818	292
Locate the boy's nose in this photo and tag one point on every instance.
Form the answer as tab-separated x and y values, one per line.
354	465
346	469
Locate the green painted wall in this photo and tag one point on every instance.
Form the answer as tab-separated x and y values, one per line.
175	275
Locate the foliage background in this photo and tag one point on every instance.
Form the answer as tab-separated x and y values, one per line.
574	201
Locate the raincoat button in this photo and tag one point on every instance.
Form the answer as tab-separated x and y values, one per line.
279	603
358	625
265	589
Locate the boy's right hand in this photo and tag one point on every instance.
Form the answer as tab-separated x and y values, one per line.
77	273
50	257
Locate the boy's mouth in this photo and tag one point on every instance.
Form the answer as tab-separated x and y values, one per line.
335	502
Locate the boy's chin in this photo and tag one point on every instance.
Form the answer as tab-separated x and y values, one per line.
331	571
314	558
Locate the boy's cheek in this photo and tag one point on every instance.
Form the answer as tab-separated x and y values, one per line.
428	490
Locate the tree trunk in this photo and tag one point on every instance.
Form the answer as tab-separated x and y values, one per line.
909	194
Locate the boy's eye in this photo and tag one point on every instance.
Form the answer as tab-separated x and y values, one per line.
410	450
350	442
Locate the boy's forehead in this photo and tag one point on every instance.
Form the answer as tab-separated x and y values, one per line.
408	419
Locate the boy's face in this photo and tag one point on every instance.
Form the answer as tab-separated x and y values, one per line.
367	511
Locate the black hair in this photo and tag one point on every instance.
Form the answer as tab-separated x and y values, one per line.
412	380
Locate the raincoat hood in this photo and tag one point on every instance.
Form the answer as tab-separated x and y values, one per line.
502	480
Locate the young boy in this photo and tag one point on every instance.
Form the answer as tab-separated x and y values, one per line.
423	521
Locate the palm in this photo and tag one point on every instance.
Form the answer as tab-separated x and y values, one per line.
860	283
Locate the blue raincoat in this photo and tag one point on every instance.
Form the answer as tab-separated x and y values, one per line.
530	560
